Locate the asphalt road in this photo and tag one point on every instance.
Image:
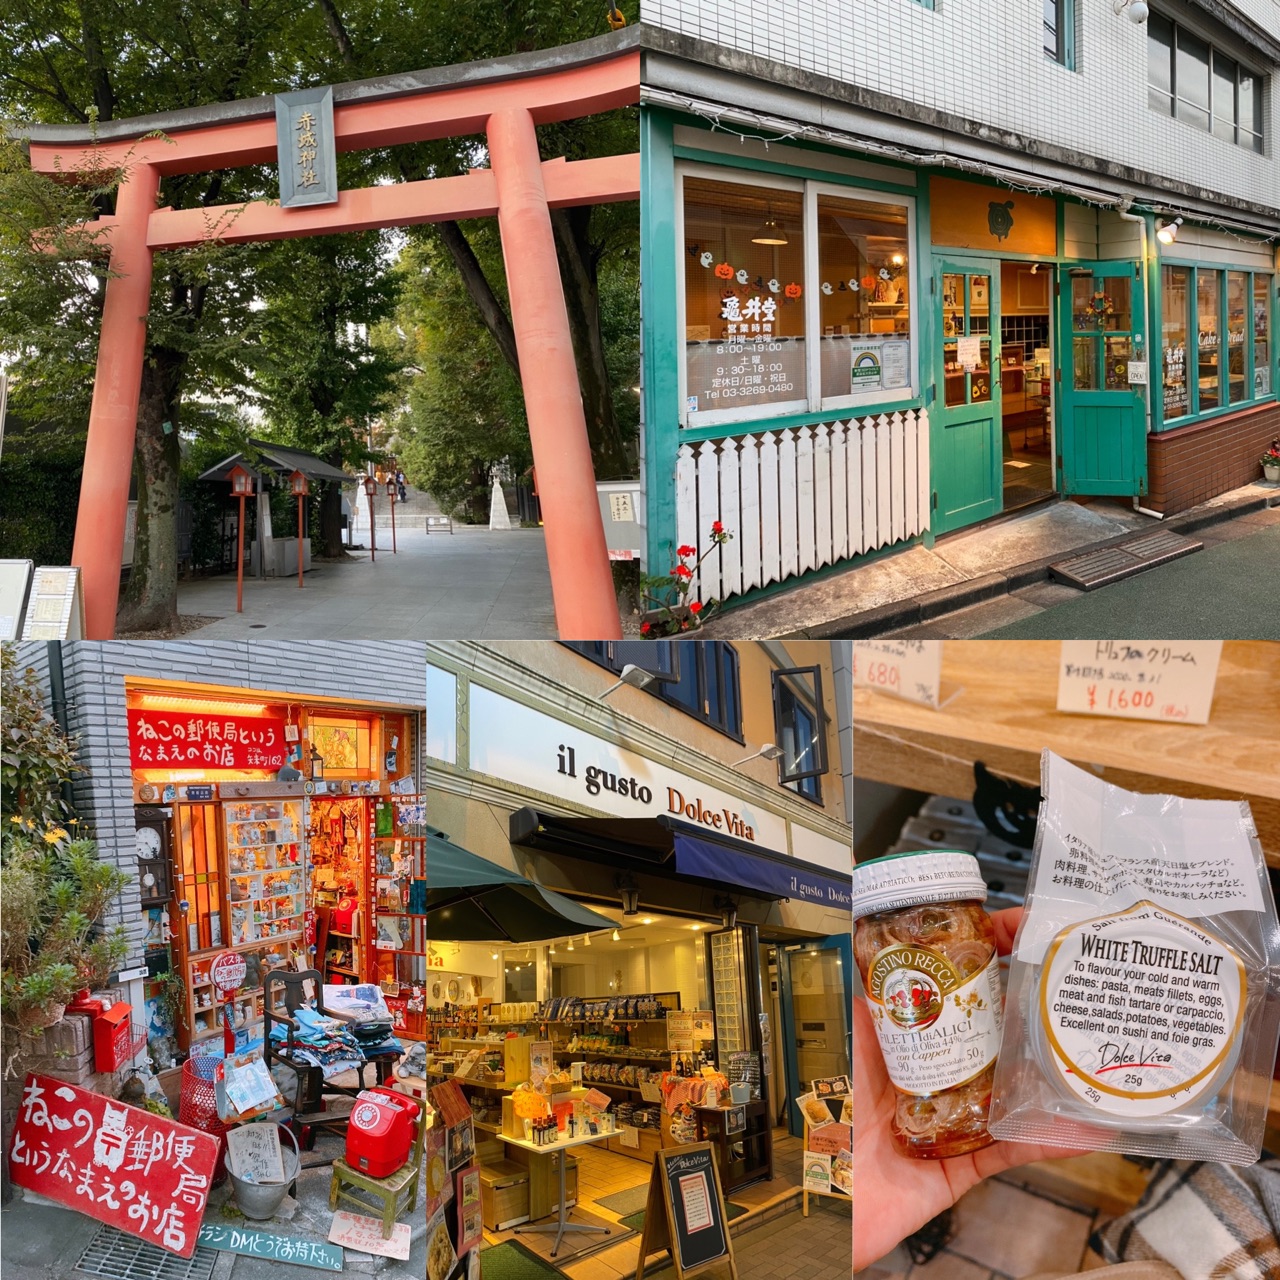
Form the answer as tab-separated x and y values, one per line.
1228	591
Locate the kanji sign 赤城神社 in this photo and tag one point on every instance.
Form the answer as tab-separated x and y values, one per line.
208	739
140	1172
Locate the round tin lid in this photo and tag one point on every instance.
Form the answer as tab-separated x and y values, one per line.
909	879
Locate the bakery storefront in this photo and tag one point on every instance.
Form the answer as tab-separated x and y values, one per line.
287	830
708	1005
848	352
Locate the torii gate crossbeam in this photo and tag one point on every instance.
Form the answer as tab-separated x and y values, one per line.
505	99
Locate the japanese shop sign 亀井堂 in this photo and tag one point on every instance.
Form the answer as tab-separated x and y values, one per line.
139	1172
204	739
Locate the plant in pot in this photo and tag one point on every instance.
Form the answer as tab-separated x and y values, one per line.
669	611
1271	461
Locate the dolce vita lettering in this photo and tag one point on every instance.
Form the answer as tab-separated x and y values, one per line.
595	780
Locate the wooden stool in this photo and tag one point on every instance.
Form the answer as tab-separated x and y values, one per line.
397	1193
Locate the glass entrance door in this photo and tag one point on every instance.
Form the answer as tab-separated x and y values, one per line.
816	1005
965	436
1103	423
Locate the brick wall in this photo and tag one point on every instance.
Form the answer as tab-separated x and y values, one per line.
1192	464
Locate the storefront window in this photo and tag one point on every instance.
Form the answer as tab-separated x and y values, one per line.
1237	320
864	297
1261	336
1174	340
1208	339
744	296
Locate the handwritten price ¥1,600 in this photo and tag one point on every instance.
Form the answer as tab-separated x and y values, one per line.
1123	699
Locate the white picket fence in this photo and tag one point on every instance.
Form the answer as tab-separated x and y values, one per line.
802	498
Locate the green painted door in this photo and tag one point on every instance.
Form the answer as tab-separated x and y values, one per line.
1102	425
964	433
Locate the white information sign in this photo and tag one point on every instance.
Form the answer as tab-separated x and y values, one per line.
357	1231
253	1150
969	351
895	365
1137	373
910	669
1139	680
55	610
15	579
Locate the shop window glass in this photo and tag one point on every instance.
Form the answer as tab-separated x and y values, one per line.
1175	283
442	716
1160	64
1053	33
1224	97
1237	320
1208	339
1261	336
864	302
1250	91
1191	70
744	296
800	728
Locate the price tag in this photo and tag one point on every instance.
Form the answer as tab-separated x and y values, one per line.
911	669
1139	680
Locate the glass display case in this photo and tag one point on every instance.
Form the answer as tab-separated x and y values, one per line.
264	870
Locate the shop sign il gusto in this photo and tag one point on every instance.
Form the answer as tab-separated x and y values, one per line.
526	747
137	1171
204	740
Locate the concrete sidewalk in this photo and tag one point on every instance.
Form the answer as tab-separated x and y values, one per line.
471	584
904	589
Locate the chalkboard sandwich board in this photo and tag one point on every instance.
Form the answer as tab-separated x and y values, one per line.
685	1213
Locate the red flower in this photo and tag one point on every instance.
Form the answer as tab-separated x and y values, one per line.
717	527
696	607
682	571
645	628
686	550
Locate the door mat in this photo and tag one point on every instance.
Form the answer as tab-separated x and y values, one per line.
632	1200
1110	564
636	1220
510	1260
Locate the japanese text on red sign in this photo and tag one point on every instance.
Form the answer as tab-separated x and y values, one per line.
139	1172
212	741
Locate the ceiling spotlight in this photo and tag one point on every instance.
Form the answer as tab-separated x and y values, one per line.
551	950
635	676
768	752
1167	232
493	955
647	920
695	927
617	937
586	941
570	944
897	259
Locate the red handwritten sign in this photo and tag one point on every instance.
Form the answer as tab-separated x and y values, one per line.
210	740
139	1172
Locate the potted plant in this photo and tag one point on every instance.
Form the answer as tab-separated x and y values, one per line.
671	612
1271	461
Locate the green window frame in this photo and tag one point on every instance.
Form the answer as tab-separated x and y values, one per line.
1218	332
1060	32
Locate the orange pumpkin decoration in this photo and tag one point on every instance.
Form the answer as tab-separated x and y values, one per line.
868	282
724	271
792	290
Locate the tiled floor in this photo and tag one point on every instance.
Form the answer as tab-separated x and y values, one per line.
1003	1230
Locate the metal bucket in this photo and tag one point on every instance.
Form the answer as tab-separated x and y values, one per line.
261	1199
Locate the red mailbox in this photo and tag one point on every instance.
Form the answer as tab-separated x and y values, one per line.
380	1133
111	1038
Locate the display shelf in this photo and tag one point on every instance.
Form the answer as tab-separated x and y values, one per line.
1005	714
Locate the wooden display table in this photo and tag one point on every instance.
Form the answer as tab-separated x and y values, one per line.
538	1170
756	1140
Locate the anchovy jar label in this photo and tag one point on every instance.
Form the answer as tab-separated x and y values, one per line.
936	1029
1142	1010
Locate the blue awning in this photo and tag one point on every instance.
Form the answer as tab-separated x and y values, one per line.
781	876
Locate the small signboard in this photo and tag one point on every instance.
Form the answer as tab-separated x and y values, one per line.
356	1231
253	1152
910	669
142	1173
685	1213
15	583
1169	680
55	607
266	1244
968	352
227	971
305	148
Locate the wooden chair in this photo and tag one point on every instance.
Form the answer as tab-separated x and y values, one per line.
396	1194
311	1089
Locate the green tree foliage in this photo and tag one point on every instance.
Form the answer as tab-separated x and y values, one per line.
465	412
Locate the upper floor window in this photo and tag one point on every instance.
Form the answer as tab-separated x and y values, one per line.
1189	79
1058	31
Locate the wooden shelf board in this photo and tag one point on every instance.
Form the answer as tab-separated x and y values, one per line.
1005	714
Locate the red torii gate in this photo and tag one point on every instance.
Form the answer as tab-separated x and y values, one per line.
504	99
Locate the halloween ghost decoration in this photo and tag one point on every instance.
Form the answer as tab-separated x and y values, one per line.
707	259
742	276
826	288
774	286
